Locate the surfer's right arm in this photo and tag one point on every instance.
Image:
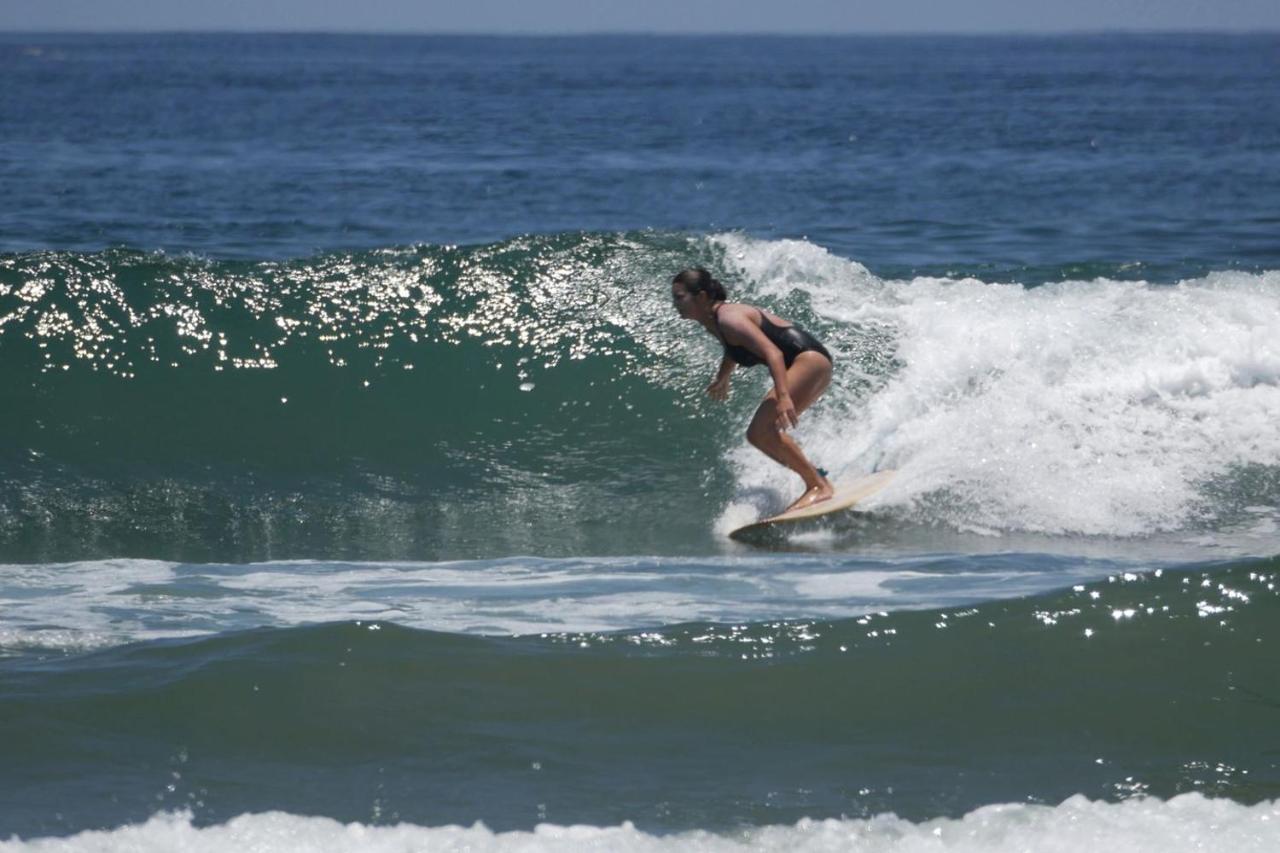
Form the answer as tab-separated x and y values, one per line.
719	387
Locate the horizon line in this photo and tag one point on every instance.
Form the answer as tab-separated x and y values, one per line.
1110	31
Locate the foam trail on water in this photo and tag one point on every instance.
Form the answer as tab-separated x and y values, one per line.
76	607
1189	822
1103	408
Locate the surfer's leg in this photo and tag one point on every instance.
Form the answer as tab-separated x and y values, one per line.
807	378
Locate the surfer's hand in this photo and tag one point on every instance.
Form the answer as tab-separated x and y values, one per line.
719	389
787	416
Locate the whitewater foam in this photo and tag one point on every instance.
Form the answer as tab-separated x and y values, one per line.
79	606
1190	822
1102	408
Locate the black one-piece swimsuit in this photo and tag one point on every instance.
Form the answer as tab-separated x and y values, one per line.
791	340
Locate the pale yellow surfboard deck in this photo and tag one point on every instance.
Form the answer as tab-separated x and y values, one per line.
847	494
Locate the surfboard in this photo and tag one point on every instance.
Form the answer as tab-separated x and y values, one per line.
847	495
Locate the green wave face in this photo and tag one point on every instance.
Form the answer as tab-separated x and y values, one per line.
540	396
1158	683
537	395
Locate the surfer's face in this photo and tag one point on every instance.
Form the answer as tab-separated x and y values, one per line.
683	299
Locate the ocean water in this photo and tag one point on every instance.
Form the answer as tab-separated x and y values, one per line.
358	491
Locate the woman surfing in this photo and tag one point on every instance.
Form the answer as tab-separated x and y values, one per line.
799	364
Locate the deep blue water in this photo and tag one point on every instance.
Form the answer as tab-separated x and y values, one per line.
353	464
982	153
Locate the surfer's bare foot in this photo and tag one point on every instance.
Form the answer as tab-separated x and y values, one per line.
814	495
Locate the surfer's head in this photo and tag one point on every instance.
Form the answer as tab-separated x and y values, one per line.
695	288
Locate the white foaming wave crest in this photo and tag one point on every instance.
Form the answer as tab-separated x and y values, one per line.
1190	822
1080	407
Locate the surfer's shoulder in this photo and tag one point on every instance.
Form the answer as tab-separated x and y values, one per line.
736	316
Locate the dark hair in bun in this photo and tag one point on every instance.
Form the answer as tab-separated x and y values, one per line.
698	280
